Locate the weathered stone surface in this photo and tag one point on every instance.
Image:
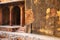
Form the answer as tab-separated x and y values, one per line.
39	8
29	16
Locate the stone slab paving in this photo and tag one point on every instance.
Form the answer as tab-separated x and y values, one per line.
27	36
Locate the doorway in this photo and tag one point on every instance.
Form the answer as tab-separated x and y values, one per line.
16	15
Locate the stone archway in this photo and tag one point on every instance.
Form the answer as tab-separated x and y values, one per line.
15	15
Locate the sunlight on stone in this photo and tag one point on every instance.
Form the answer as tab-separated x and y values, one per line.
48	10
47	16
9	0
35	1
58	29
58	13
29	16
49	32
46	31
47	13
41	30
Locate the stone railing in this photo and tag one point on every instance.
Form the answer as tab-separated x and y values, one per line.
25	36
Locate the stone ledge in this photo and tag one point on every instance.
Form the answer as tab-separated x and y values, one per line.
4	2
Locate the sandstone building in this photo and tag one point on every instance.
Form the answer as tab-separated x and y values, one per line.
39	16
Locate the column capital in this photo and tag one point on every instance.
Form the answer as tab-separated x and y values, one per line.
10	7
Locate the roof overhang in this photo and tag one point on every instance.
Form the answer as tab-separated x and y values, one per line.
11	1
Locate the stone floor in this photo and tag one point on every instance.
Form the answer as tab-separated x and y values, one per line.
25	36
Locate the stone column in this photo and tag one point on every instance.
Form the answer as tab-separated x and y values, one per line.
0	16
11	15
22	13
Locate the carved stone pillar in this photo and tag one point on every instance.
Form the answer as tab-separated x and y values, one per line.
22	13
11	15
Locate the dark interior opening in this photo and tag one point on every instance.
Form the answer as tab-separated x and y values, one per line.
5	16
16	15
